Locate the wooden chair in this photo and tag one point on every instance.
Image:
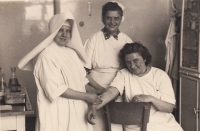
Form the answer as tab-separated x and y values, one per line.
127	114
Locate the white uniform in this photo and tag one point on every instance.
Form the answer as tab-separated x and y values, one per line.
103	60
156	83
56	70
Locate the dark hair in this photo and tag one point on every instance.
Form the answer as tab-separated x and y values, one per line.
111	6
135	47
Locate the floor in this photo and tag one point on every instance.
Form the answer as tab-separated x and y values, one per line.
30	123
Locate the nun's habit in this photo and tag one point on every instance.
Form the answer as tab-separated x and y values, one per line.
57	69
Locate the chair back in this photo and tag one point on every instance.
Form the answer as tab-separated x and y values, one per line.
134	113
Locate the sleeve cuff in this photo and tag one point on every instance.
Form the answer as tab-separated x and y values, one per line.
59	91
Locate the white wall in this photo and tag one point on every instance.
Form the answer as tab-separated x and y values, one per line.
145	20
23	25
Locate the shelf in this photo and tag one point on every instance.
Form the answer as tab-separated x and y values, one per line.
191	30
190	72
193	10
190	48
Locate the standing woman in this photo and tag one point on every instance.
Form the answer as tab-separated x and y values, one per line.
61	78
102	50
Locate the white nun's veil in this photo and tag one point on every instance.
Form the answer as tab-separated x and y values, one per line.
54	25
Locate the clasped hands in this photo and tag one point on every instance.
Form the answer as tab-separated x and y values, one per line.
94	97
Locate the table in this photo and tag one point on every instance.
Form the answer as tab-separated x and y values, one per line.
15	119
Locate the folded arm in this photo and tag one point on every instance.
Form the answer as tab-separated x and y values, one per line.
162	105
89	97
157	103
94	84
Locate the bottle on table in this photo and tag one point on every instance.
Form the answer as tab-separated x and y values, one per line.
13	84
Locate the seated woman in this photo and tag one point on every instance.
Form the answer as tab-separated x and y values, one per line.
142	83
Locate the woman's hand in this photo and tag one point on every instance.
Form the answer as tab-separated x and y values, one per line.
142	98
93	98
91	115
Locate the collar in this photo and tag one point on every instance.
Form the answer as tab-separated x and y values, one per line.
107	35
56	46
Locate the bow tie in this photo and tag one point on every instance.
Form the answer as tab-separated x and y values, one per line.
107	35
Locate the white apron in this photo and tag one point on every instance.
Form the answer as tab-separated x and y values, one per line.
104	77
103	60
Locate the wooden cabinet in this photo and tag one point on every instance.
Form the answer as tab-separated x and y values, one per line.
189	101
189	94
